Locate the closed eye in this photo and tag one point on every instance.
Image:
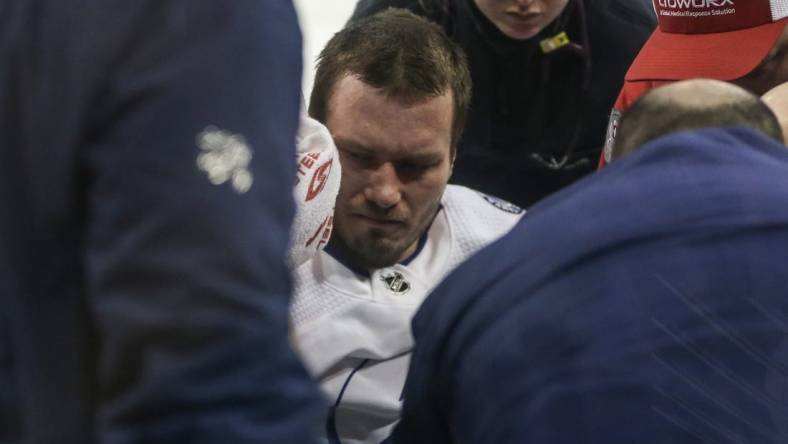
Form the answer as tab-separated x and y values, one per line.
358	157
413	170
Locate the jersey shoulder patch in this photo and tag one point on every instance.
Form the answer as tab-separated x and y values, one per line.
502	204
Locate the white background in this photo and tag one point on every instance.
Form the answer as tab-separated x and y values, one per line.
320	19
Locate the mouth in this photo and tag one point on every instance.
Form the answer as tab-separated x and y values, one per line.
380	222
523	17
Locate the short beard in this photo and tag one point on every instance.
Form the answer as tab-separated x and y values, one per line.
371	252
375	251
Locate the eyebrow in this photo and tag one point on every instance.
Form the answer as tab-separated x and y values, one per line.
349	144
345	144
424	158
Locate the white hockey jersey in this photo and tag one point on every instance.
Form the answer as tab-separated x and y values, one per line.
354	330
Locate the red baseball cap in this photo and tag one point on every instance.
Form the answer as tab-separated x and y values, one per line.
716	39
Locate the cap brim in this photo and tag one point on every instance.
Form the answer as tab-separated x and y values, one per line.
720	56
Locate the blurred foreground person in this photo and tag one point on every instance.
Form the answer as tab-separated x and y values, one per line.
146	170
393	91
545	74
662	320
744	42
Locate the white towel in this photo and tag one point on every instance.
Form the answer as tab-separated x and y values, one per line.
317	184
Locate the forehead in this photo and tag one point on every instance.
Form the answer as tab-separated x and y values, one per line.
366	116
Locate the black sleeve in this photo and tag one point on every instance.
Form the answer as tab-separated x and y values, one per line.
636	13
191	165
10	419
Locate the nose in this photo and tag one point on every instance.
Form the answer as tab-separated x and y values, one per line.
524	3
383	188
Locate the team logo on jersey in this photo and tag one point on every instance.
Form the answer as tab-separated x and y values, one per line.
695	4
319	180
502	204
322	234
396	282
225	157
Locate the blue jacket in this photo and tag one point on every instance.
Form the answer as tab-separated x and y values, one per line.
143	290
662	318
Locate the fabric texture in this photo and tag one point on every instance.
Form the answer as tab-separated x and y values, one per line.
661	318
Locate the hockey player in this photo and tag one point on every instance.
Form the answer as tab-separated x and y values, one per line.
394	92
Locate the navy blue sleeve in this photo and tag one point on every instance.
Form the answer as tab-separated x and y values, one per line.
191	164
663	320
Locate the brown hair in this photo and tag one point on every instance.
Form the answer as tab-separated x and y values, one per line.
406	56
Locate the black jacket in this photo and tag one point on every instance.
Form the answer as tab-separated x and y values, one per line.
537	121
143	292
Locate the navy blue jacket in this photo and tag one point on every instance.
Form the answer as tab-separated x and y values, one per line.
662	318
141	300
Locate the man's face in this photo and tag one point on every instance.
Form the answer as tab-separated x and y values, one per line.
396	160
521	19
772	71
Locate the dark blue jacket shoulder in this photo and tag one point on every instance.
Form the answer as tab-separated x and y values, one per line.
146	163
663	315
